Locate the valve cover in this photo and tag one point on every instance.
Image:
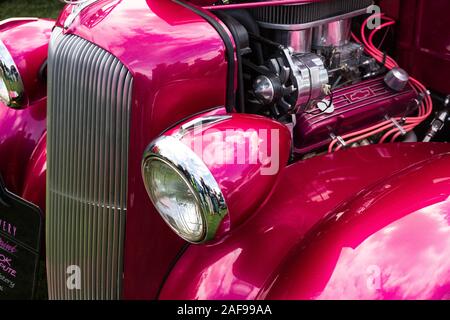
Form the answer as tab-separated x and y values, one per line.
355	106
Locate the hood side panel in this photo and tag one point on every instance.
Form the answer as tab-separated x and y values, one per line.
178	63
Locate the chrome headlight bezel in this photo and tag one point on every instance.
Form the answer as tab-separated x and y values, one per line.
196	174
14	97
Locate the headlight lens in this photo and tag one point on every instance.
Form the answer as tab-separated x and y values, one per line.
183	190
174	199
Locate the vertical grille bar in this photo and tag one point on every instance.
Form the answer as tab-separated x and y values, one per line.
89	105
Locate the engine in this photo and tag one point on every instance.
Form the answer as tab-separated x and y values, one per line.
316	51
301	66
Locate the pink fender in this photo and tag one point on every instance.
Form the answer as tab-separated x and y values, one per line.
390	242
27	41
36	175
21	130
267	258
245	154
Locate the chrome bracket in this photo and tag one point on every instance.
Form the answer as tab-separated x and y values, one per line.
397	125
199	122
339	139
78	6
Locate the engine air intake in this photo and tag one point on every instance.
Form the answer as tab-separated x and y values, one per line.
306	14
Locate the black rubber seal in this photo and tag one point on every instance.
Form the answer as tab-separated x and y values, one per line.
42	74
230	96
232	25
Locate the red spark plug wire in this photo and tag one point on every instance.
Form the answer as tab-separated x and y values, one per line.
425	108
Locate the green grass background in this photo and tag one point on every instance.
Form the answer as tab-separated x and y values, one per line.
30	8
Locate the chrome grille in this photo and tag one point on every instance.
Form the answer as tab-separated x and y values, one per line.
89	101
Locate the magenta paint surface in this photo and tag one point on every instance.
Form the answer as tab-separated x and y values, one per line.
391	242
179	68
172	50
243	263
21	130
27	41
36	175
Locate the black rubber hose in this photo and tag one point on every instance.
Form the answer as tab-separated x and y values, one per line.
246	19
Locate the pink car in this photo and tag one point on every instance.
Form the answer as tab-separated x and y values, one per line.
200	149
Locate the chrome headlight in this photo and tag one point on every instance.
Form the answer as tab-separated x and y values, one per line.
183	190
11	86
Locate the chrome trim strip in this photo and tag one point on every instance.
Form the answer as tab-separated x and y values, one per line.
78	6
189	165
12	92
201	121
22	19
